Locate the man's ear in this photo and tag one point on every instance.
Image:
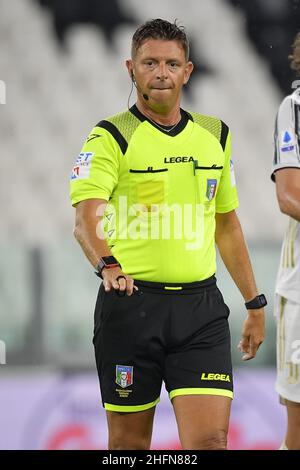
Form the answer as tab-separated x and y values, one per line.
129	66
188	70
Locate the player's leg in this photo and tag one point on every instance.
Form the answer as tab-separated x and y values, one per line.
130	366
130	431
288	378
292	439
199	370
202	421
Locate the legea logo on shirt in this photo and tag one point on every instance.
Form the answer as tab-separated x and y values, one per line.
178	159
82	166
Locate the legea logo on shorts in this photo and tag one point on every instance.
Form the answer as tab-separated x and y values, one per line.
2	353
222	377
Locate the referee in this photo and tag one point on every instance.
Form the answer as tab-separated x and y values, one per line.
154	190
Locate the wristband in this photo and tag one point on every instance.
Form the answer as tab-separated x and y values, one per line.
258	302
108	262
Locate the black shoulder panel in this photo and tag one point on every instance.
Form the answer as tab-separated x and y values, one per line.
114	131
224	134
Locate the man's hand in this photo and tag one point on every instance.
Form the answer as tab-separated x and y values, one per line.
253	333
124	282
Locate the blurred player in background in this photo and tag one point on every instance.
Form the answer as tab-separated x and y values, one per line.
171	324
286	175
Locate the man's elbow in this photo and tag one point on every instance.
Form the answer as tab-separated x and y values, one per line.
77	230
285	205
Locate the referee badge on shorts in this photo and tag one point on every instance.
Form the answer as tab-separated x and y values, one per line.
124	376
211	189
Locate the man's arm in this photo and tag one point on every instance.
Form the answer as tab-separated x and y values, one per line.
234	253
288	191
88	233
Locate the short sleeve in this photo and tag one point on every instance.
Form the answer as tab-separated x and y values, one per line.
286	145
95	173
227	198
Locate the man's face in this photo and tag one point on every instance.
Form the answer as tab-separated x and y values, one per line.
160	70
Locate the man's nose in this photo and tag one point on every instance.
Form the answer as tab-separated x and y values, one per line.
162	71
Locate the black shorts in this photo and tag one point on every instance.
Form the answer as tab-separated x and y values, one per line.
176	334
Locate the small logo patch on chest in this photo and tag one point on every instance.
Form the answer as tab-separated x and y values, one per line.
211	188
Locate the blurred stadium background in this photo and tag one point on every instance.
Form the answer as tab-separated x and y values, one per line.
62	63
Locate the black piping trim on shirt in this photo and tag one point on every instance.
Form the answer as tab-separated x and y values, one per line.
189	116
276	153
213	167
134	110
177	129
224	134
114	131
149	170
282	168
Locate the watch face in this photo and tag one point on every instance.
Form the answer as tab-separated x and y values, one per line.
262	300
258	302
109	260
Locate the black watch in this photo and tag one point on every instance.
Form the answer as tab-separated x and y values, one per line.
106	262
258	302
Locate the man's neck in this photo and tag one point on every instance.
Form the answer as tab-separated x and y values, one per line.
165	117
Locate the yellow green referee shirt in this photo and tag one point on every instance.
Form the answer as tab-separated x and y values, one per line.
163	189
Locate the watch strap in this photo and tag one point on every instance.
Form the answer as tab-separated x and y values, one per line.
258	302
108	262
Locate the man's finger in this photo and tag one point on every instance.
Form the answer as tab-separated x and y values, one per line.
129	286
115	284
243	345
247	356
107	285
254	345
121	280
